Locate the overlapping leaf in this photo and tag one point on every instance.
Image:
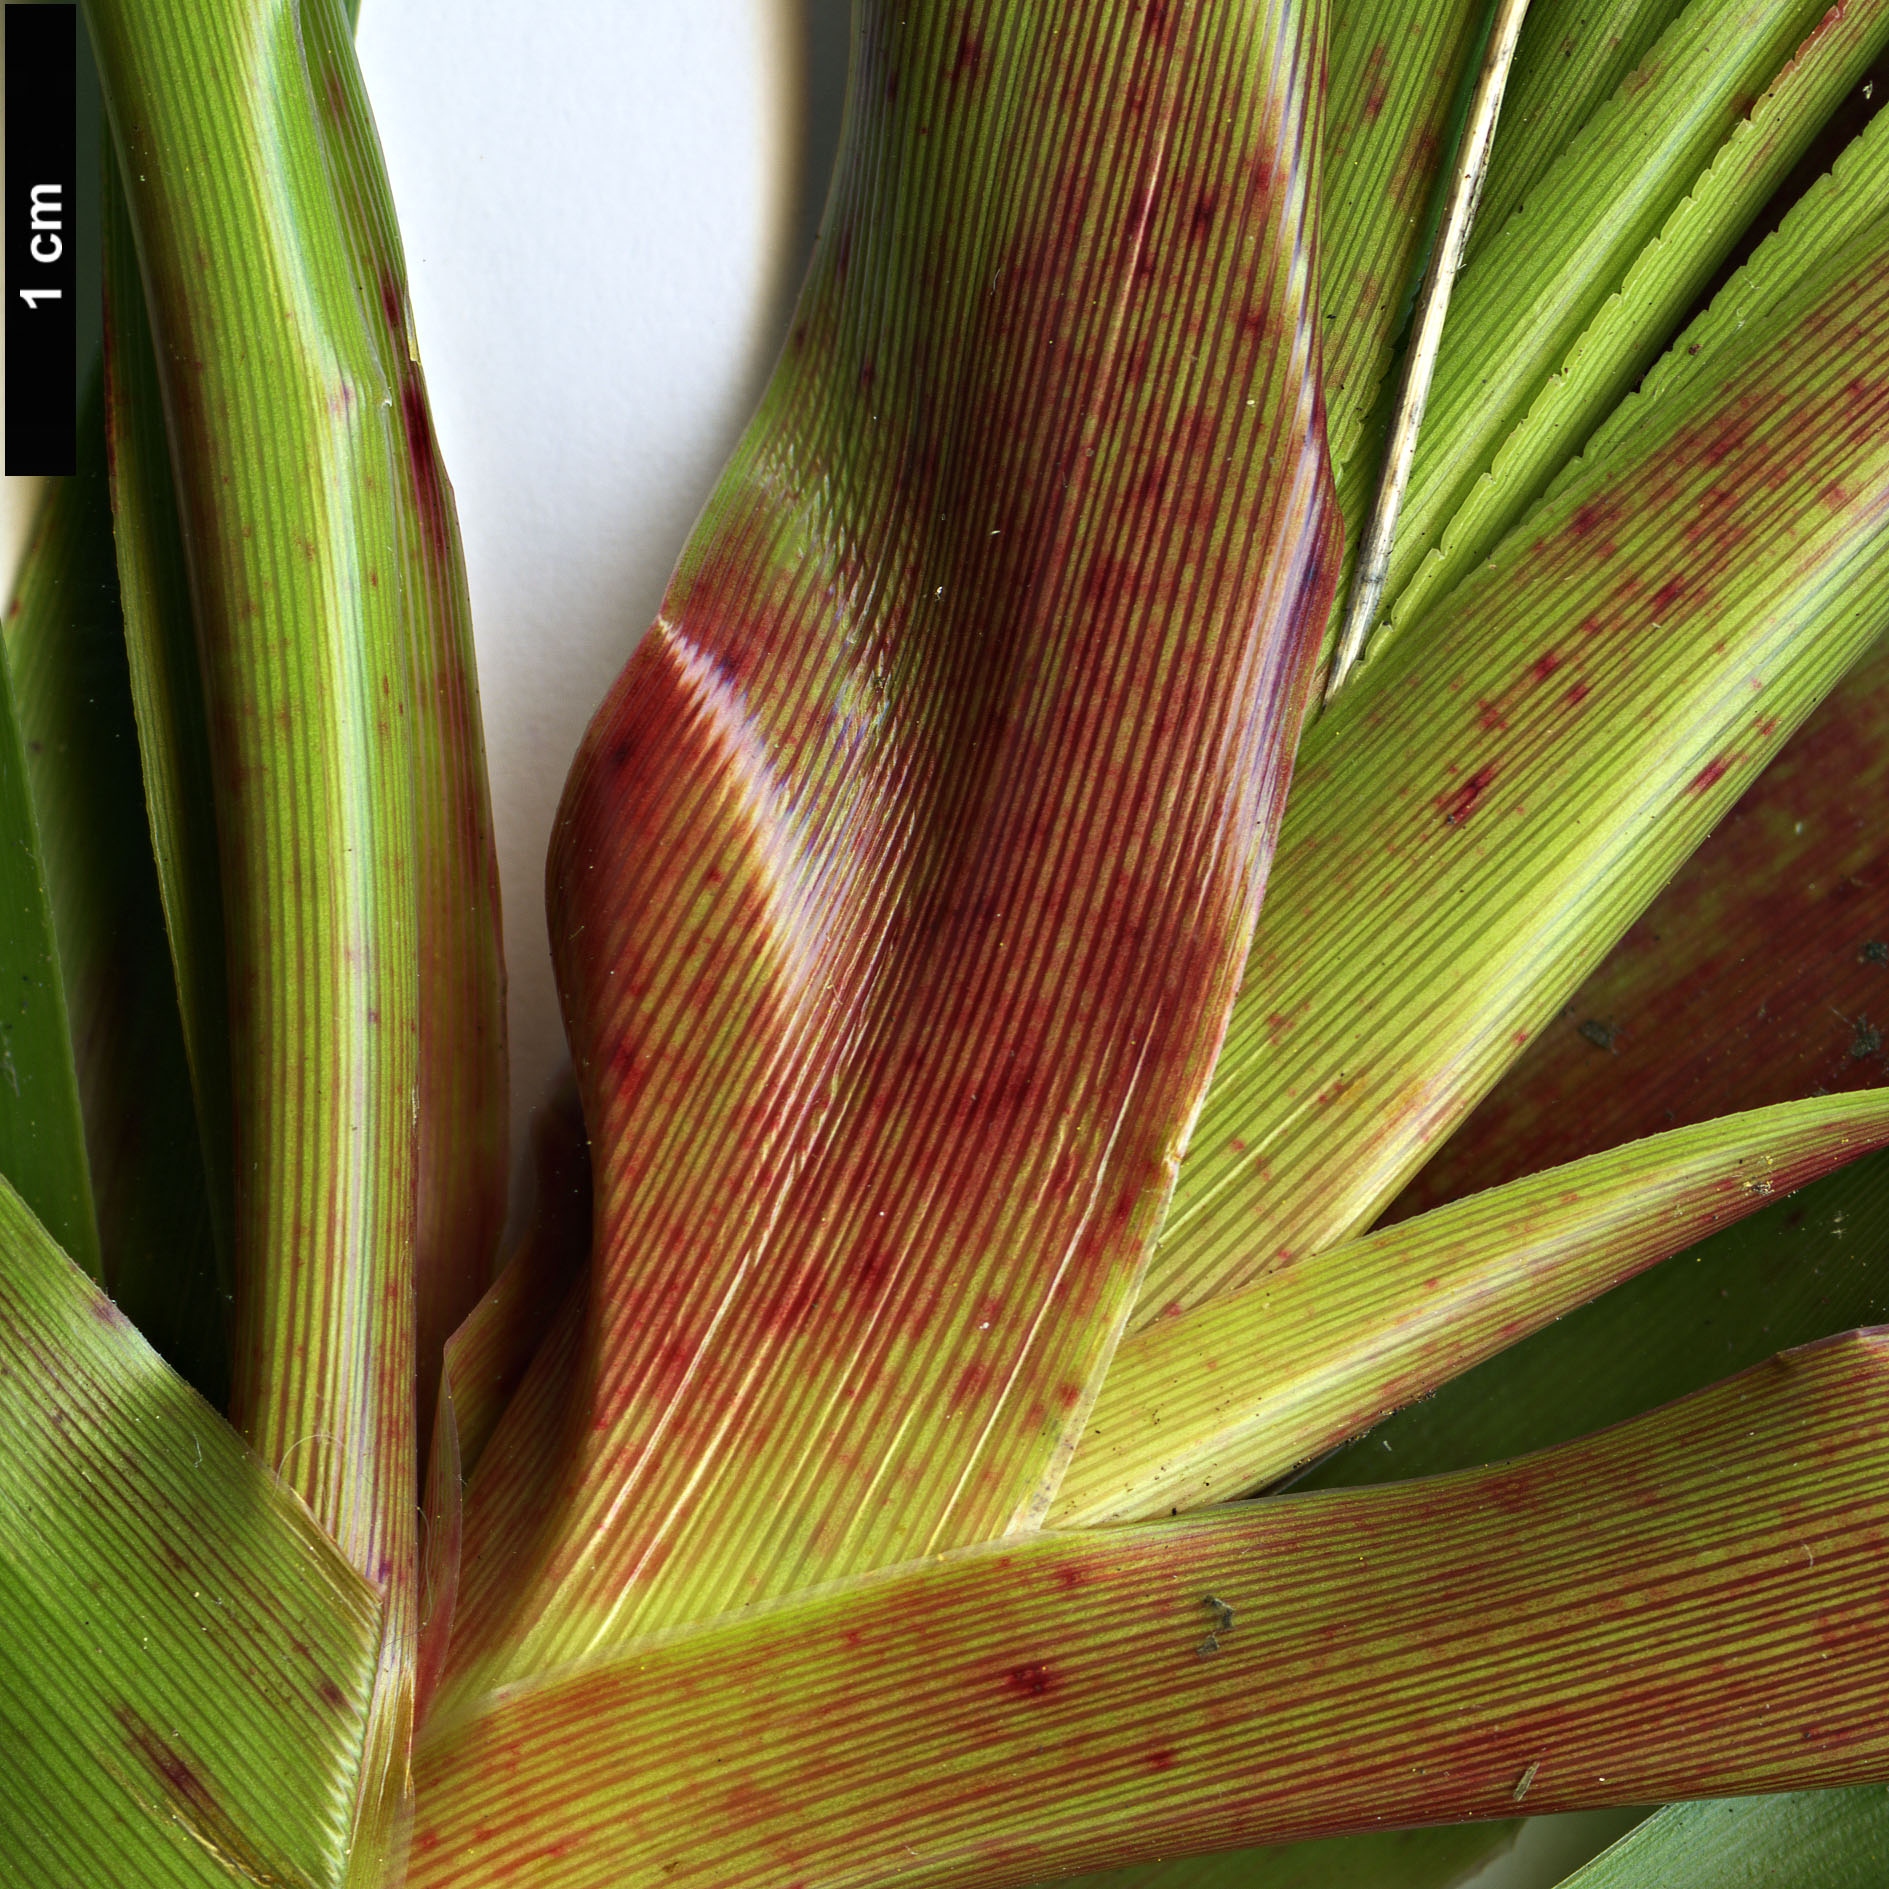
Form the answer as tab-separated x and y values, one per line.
902	882
185	1659
65	651
1602	1622
310	503
1835	1839
1235	1393
1497	798
1760	973
1571	299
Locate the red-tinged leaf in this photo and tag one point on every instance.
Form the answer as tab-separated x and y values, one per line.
1689	1604
1233	1394
1760	973
1499	795
902	882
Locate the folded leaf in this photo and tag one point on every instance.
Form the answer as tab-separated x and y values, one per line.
464	1107
1573	55
1627	329
1541	279
185	1659
1834	1839
292	447
1394	75
1494	801
902	882
65	650
1233	1394
1687	1604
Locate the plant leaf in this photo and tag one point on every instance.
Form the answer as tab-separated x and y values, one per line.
1651	1612
1760	973
464	1104
1835	1839
1573	55
1393	71
1802	1268
1235	1393
305	477
42	1129
65	652
1518	310
1492	803
185	1659
1625	331
1438	1858
167	693
903	880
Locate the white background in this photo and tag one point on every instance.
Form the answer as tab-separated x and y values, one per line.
607	205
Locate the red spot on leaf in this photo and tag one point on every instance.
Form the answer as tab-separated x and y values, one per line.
1545	665
1711	773
1489	716
1161	1760
1665	597
1204	206
1577	694
1456	807
970	60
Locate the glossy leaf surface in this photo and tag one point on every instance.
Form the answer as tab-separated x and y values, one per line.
902	882
185	1659
1715	1556
1222	1399
1492	803
166	684
65	649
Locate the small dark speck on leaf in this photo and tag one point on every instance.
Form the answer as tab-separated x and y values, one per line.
1876	951
1866	1040
1030	1682
1600	1034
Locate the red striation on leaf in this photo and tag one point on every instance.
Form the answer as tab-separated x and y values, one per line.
1736	988
902	884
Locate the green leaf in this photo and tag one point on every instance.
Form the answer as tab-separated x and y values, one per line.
1439	1858
1622	333
309	496
42	1129
1760	973
1519	313
185	1659
464	1104
902	882
1233	1394
167	693
1493	801
1393	70
65	648
1814	1263
1597	1625
1834	1839
1572	56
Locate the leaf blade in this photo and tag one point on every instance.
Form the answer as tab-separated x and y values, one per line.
1528	1590
1250	1385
